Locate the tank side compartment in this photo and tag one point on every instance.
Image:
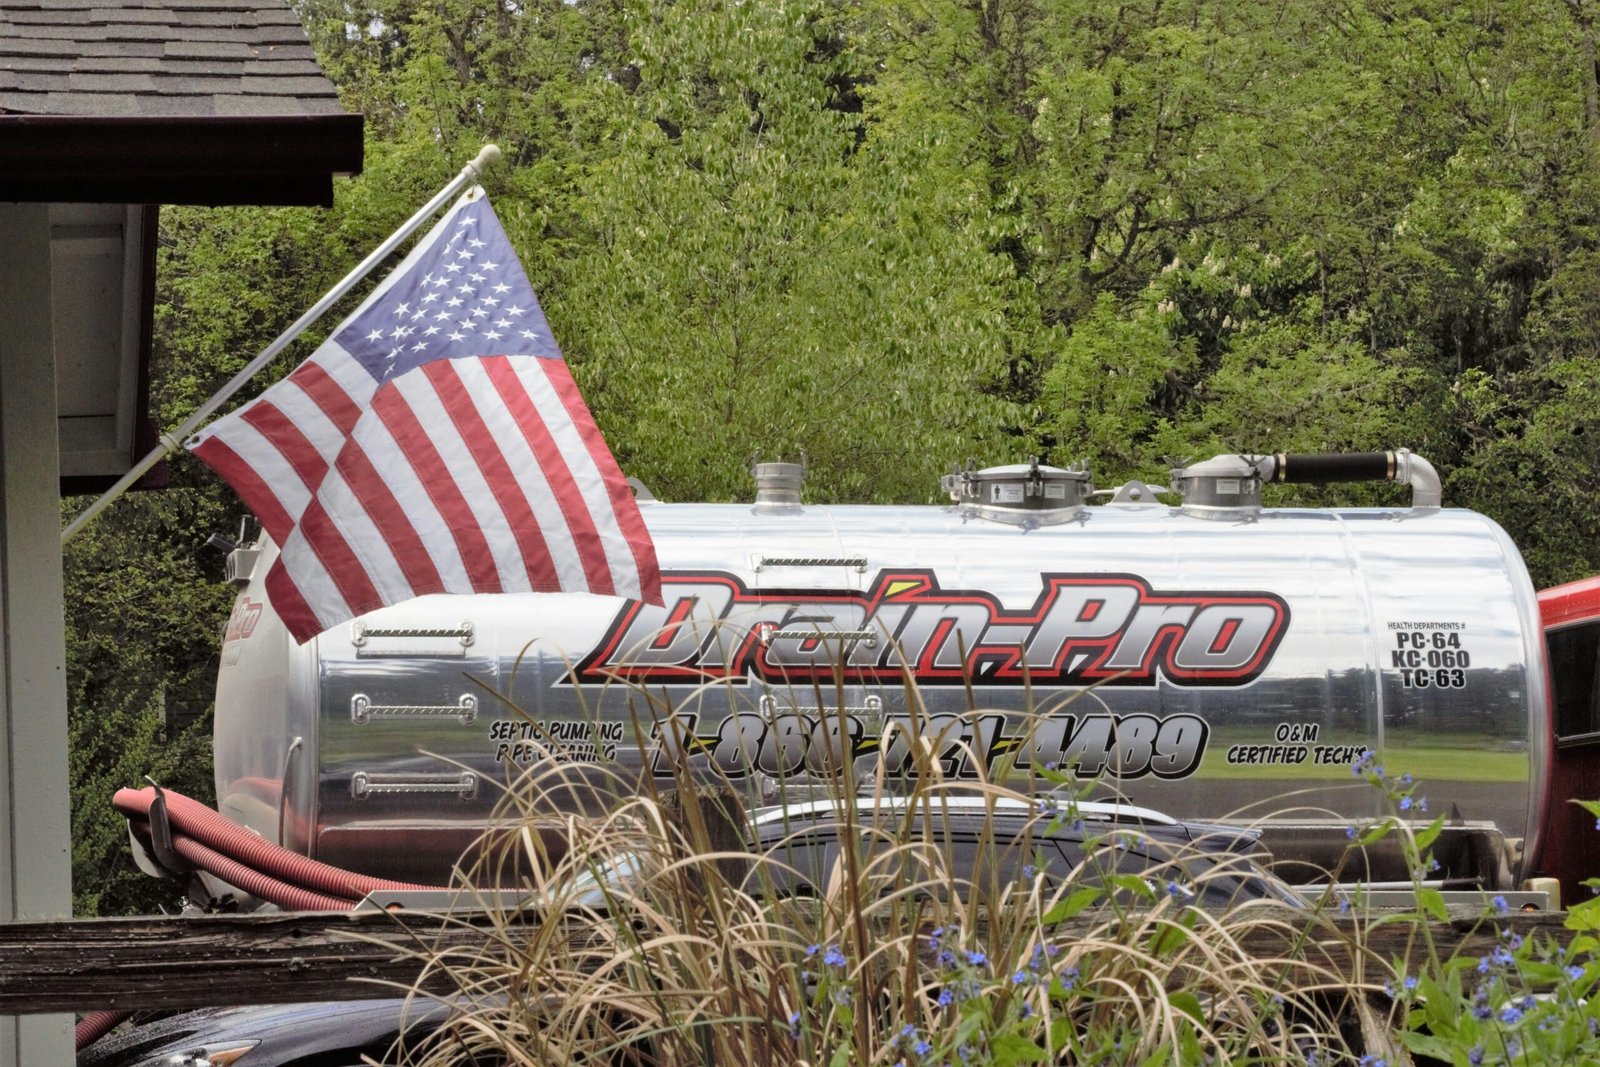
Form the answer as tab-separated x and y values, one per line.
265	735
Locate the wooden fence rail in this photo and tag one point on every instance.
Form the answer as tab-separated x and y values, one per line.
179	963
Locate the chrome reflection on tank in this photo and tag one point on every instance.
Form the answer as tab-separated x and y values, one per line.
1206	666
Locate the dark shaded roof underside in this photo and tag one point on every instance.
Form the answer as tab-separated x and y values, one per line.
167	102
158	58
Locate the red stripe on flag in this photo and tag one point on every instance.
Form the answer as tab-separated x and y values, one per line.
390	406
569	496
377	499
284	435
256	493
459	402
291	605
326	392
323	537
623	506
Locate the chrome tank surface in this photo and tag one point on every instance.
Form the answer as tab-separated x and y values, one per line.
1210	667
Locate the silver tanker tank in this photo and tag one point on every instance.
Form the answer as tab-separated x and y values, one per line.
1215	659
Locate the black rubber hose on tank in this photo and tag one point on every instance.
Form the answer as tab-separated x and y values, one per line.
1324	469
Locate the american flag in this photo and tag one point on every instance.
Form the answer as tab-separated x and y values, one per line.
435	443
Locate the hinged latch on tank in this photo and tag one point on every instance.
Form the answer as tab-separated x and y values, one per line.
856	562
364	784
815	636
411	641
870	709
363	710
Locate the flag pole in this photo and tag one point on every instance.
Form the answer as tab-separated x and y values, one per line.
173	440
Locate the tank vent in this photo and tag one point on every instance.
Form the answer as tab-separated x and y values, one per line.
778	484
1020	493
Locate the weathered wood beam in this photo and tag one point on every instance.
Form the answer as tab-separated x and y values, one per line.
178	963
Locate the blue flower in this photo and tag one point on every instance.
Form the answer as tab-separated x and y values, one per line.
1405	803
922	1048
977	958
1406	779
834	957
812	950
1410	982
1574	972
1510	1015
1422	803
794	1025
946	998
1475	1056
1350	832
1498	903
1019	978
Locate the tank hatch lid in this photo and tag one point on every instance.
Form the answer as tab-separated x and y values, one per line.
1028	493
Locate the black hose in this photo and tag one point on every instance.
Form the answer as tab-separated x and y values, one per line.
1325	468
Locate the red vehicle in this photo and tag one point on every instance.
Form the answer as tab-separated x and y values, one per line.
1571	615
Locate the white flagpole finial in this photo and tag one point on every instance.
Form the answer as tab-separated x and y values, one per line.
488	154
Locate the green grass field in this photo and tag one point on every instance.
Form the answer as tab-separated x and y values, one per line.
1455	757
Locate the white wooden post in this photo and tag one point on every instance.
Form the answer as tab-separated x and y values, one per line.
35	827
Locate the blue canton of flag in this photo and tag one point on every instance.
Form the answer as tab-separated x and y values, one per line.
466	297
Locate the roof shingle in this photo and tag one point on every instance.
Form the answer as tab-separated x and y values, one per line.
158	57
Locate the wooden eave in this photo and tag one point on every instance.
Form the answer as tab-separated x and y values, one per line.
205	160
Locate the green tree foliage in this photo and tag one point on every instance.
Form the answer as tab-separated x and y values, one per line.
762	276
144	616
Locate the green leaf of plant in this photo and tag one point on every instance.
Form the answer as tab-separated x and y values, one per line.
1187	1003
1431	901
1072	904
1008	1048
1583	916
1427	836
1426	1045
